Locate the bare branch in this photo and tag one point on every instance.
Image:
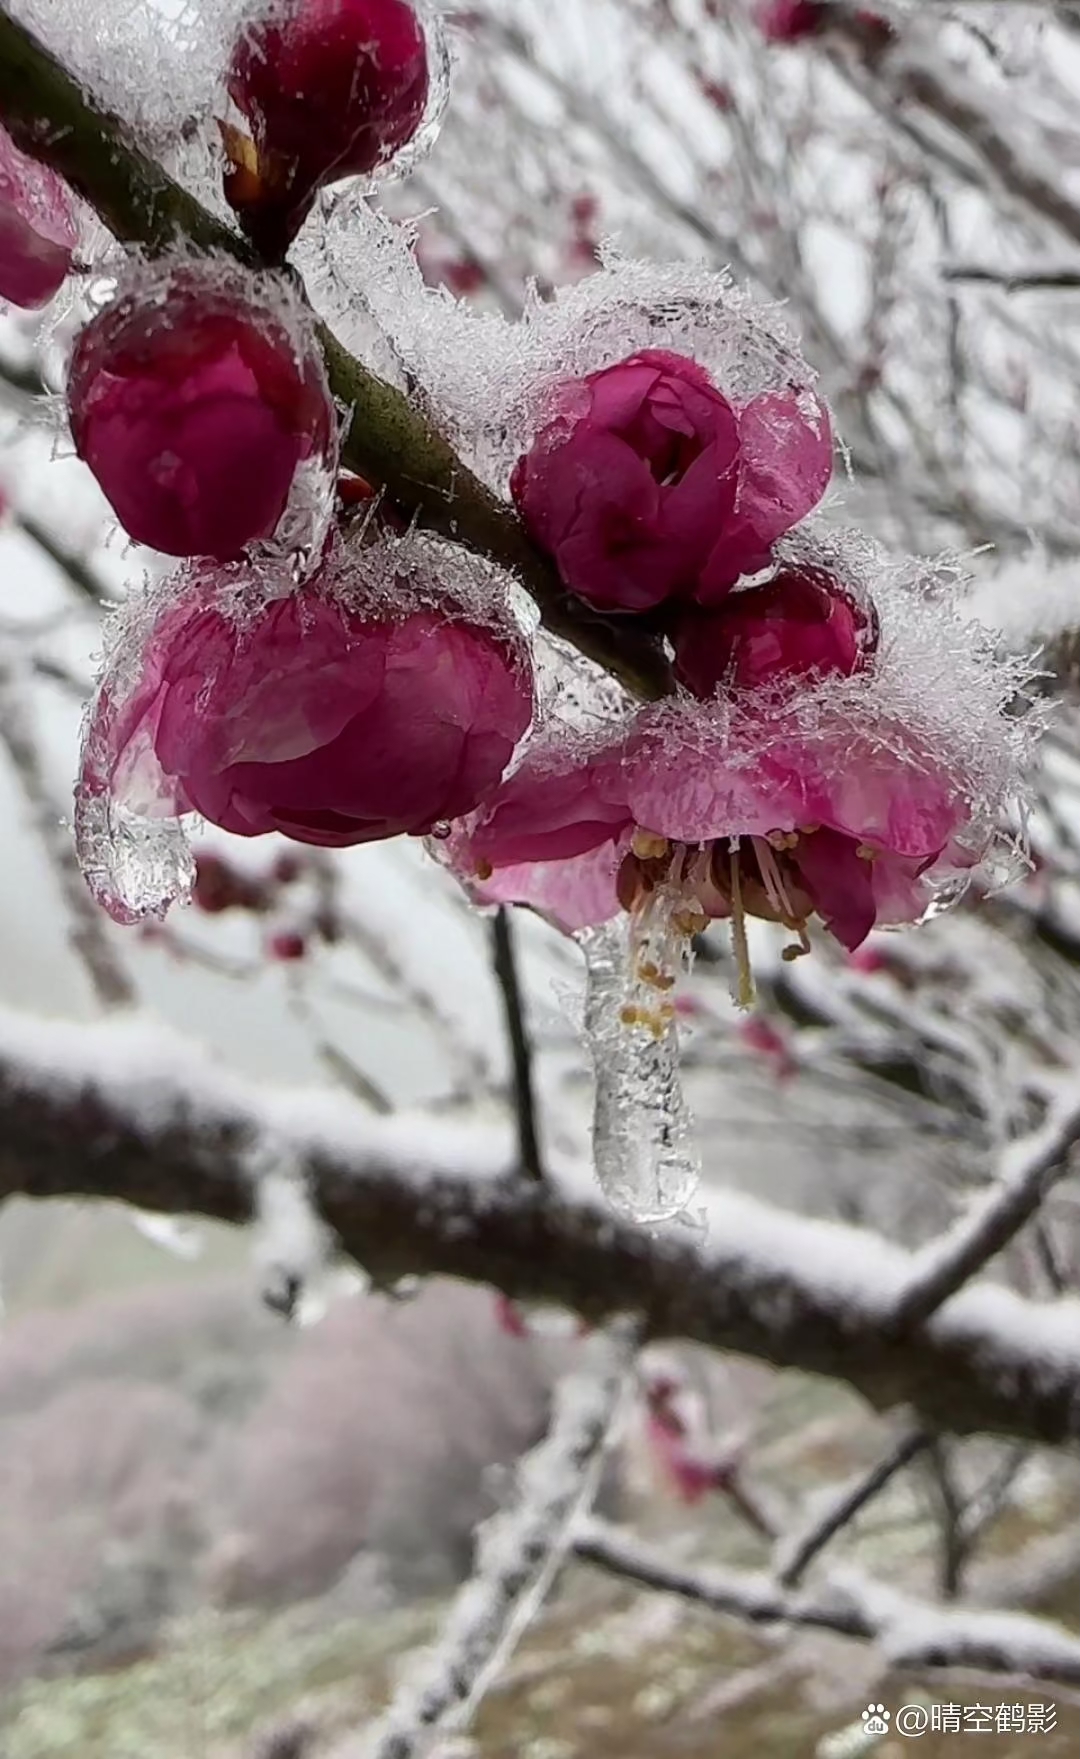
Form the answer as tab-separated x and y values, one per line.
903	71
519	1553
74	569
847	1503
504	960
88	934
1013	281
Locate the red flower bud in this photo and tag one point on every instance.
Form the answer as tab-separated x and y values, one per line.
218	887
195	406
787	21
330	89
37	228
800	622
286	947
647	484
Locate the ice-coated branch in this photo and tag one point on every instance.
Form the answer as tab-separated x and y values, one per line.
388	440
519	1553
910	1633
124	1111
88	929
1028	1168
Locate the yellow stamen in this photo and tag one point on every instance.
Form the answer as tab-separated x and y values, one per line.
689	922
647	846
782	839
744	991
866	853
484	871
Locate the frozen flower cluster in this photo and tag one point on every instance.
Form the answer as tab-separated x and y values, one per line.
838	756
836	747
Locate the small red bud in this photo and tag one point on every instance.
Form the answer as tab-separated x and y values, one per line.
287	947
195	408
330	89
220	887
37	228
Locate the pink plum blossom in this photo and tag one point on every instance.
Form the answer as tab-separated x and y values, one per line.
801	622
330	89
38	232
195	406
647	484
725	812
325	714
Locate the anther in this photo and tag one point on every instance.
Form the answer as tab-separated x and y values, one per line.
647	846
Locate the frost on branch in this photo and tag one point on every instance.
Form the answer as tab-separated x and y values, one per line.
292	1242
518	1555
382	697
198	398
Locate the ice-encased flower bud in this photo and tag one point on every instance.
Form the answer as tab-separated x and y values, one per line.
368	703
199	400
38	231
800	622
330	89
647	484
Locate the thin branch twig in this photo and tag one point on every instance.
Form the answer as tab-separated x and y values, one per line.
913	1635
504	961
848	1502
88	933
1028	1169
519	1553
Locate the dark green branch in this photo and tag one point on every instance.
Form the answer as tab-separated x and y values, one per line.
387	441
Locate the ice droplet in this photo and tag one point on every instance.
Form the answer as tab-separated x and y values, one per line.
646	1162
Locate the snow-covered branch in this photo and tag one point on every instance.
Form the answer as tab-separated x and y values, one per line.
125	1111
519	1553
910	1633
1028	1168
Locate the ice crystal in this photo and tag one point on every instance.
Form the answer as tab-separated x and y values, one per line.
646	1163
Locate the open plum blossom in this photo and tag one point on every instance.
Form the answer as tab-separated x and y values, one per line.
647	484
853	798
330	89
38	231
802	621
716	813
196	400
329	714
